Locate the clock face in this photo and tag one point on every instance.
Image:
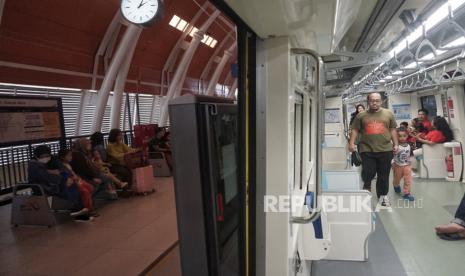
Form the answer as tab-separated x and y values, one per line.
139	11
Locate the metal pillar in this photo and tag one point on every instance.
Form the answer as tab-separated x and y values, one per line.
179	76
104	92
219	69
232	90
172	57
120	83
211	60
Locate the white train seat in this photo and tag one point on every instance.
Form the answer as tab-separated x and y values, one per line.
350	227
432	161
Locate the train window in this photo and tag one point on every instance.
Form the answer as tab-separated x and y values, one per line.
298	140
429	103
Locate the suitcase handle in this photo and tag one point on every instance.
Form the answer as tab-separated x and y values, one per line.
22	186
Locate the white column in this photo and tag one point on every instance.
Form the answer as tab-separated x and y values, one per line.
82	105
232	90
219	69
112	31
178	79
120	83
126	42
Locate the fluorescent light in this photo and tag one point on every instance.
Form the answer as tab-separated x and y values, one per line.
388	77
213	44
398	48
437	16
399	72
455	4
415	35
174	21
181	25
382	81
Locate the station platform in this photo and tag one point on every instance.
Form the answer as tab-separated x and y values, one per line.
130	237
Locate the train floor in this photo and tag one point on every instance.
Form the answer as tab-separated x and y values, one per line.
129	237
404	242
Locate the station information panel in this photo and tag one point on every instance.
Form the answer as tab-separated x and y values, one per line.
30	120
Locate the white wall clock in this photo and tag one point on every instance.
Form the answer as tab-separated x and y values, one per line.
142	12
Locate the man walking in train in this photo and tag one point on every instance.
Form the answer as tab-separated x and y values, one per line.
378	141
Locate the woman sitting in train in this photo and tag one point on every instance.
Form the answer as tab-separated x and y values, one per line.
116	149
98	144
83	165
455	230
440	133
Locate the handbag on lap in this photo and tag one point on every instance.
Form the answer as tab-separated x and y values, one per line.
134	159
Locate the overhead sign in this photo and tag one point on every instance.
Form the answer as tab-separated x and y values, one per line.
30	120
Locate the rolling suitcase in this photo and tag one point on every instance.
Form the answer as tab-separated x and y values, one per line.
143	180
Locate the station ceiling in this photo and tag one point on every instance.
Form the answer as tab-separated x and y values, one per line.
40	38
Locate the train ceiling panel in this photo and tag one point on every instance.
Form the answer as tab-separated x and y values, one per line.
309	23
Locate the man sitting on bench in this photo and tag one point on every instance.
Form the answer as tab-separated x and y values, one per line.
54	183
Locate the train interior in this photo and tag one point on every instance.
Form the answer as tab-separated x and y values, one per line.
225	127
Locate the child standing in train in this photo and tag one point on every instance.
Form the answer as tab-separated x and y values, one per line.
401	165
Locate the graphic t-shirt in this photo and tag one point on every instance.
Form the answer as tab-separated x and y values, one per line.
374	130
402	157
435	136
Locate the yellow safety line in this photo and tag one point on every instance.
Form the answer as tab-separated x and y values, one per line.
246	94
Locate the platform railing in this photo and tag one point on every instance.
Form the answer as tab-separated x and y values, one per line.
14	160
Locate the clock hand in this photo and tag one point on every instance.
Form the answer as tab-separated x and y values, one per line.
142	3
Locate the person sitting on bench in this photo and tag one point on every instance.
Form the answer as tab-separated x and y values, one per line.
160	143
455	230
55	183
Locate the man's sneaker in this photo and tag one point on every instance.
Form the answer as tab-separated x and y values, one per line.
385	201
83	218
83	211
397	190
409	197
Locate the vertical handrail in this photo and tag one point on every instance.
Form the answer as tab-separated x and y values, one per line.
321	129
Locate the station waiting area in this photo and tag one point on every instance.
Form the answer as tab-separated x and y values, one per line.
132	236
